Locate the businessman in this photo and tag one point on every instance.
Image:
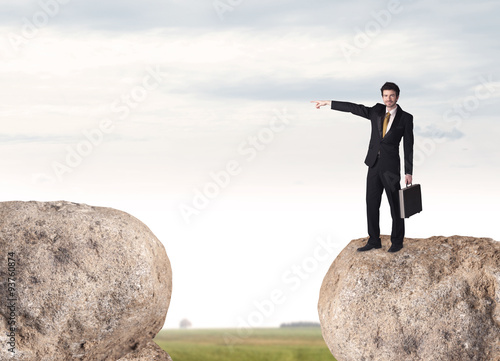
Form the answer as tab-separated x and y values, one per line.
389	123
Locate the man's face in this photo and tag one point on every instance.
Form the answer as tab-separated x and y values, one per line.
390	98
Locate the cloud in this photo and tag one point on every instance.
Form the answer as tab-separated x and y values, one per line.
132	15
24	138
435	132
221	84
334	17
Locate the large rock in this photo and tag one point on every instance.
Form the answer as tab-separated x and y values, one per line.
91	283
437	299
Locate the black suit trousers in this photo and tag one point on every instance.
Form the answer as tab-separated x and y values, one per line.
377	181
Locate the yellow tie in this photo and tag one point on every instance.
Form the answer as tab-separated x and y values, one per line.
384	124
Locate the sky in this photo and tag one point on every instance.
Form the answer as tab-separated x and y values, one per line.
195	117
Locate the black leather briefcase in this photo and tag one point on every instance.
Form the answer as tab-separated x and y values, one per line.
410	200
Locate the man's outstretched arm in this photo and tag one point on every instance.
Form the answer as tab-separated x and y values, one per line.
356	109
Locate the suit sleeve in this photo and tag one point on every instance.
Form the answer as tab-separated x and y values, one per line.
408	145
356	109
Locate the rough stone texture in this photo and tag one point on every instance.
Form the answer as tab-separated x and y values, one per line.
92	283
150	352
437	299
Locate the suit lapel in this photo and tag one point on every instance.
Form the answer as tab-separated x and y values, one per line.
380	119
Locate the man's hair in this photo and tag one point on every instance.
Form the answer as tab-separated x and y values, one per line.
390	86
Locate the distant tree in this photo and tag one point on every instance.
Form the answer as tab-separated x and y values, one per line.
300	324
185	323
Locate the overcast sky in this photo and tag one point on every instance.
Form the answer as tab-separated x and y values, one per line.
195	118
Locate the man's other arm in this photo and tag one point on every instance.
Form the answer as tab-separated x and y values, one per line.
408	149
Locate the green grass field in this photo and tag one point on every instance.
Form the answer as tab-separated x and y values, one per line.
275	344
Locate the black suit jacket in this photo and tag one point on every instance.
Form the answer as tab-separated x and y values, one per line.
388	146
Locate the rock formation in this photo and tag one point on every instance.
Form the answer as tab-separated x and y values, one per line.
437	299
87	283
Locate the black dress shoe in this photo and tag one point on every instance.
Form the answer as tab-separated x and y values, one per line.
395	248
368	247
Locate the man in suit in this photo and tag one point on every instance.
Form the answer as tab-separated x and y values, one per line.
389	123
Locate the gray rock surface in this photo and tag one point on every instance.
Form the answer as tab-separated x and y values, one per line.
437	299
91	283
150	352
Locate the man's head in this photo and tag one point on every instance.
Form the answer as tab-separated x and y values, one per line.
390	94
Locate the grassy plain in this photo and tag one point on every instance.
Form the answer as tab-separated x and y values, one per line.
273	344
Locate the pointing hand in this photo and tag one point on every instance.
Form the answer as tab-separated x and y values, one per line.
320	103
